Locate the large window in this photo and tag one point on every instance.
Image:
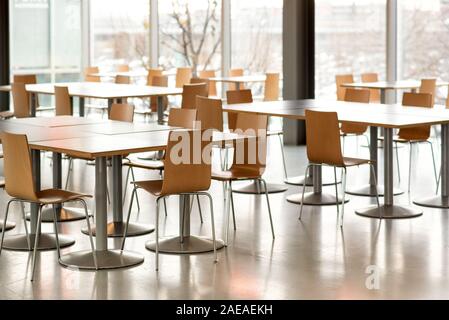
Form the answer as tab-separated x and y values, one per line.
120	32
257	35
350	38
424	40
190	34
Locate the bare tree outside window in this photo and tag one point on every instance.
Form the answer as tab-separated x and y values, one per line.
190	34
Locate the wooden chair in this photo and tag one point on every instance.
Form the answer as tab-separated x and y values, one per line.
342	79
249	161
20	186
11	225
235	73
63	102
350	129
374	93
199	81
31	79
237	97
21	100
122	68
190	92
272	87
151	74
429	86
120	79
155	81
183	76
183	179
207	74
88	77
415	135
209	113
324	149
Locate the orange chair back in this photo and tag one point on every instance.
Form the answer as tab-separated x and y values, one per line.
189	94
342	79
423	100
63	102
122	112
374	93
429	86
237	97
122	68
323	138
201	80
207	74
151	74
186	169
17	167
235	73
272	87
183	118
21	100
120	79
88	77
183	76
209	113
158	81
355	95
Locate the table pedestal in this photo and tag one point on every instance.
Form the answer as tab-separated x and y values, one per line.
308	181
257	188
7	227
116	230
106	260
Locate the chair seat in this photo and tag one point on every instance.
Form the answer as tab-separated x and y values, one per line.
57	196
152	186
146	164
237	174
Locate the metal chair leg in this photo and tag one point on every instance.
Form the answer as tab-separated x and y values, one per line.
410	168
157	234
25	224
55	225
373	171
303	192
233	211
126	184
125	233
199	208
137	196
269	207
281	142
91	238
165	207
69	172
5	221
343	187
227	213
397	162
213	225
36	240
434	164
336	193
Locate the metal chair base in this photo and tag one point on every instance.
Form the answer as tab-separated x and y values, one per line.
389	212
316	199
190	245
254	188
437	202
370	191
299	181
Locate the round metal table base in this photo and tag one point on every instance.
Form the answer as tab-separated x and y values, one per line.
190	245
315	199
116	230
370	191
389	212
46	242
66	214
253	188
7	227
437	202
299	181
111	259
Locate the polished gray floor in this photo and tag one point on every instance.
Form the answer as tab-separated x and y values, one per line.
309	259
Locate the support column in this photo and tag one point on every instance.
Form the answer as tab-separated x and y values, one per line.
299	61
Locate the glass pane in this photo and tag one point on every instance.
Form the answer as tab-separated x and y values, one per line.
30	40
190	34
67	33
120	32
424	41
350	39
257	35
